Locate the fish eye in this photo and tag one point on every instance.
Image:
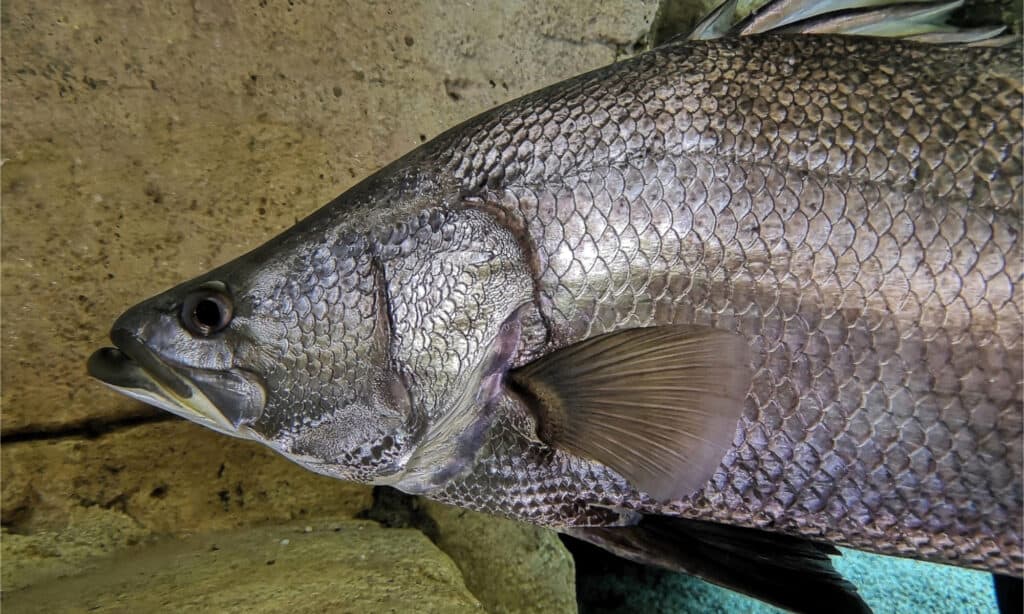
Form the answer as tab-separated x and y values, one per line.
206	311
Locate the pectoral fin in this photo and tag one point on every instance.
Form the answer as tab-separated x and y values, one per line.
658	405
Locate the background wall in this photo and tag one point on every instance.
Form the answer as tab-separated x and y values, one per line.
144	143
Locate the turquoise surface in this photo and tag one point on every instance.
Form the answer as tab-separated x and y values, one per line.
889	585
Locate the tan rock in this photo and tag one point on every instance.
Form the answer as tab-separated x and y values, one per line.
350	566
171	477
91	535
74	502
510	566
146	142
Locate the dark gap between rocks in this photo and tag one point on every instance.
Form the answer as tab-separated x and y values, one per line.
396	510
88	429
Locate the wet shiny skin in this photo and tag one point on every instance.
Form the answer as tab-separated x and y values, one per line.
851	207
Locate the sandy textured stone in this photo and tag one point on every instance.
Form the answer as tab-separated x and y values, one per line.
170	477
510	566
85	499
145	142
91	535
350	566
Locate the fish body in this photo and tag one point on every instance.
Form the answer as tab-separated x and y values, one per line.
848	209
853	209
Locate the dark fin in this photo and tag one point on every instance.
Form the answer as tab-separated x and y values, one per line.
1006	40
1009	593
715	24
658	405
980	37
919	20
787	572
776	15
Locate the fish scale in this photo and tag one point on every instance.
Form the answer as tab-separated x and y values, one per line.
853	208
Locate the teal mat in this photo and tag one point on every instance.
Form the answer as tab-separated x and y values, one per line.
889	585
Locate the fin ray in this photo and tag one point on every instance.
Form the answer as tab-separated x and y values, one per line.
658	405
715	24
917	20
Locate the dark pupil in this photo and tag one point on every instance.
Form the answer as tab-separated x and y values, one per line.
207	313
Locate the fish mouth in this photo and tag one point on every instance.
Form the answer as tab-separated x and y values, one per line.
136	371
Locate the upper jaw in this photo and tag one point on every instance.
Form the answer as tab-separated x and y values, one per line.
134	370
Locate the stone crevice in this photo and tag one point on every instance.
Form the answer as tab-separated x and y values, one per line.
91	428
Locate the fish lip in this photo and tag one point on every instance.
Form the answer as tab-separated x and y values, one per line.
129	360
133	369
113	367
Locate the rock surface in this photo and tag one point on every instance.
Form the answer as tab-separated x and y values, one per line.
90	536
352	566
170	478
147	142
507	566
536	575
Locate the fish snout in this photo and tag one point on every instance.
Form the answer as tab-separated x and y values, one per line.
225	399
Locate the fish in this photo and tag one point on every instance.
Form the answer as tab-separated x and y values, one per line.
719	307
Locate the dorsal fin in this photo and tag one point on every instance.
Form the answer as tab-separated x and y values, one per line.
919	20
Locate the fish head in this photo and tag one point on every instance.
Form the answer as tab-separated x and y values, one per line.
178	350
360	355
287	346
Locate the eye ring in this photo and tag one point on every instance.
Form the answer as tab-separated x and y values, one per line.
206	311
